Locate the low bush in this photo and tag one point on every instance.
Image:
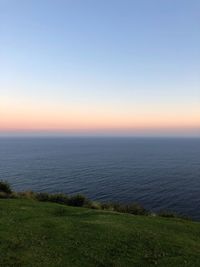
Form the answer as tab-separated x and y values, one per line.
134	208
78	201
107	206
59	198
25	194
5	187
94	205
167	214
42	196
4	195
81	201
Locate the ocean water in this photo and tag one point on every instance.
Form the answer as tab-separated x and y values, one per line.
160	173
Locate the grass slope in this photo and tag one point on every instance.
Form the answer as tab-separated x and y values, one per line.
46	234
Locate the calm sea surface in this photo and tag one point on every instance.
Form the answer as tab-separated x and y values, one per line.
158	173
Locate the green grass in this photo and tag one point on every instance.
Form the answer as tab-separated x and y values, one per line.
36	233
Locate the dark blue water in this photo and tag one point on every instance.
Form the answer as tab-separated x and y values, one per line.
159	173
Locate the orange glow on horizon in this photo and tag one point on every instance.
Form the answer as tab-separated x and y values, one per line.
29	117
96	122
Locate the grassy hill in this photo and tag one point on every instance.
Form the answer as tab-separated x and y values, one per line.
36	233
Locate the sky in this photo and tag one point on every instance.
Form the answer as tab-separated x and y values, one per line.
102	67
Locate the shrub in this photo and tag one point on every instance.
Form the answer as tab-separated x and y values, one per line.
59	198
118	207
134	208
94	205
167	214
26	194
5	187
4	195
14	195
42	196
137	209
107	206
78	201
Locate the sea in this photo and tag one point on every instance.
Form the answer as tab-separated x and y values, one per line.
162	174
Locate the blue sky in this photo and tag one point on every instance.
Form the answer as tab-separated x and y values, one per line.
121	60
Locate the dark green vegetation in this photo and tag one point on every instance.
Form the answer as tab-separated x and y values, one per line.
34	233
80	201
69	232
5	187
74	200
